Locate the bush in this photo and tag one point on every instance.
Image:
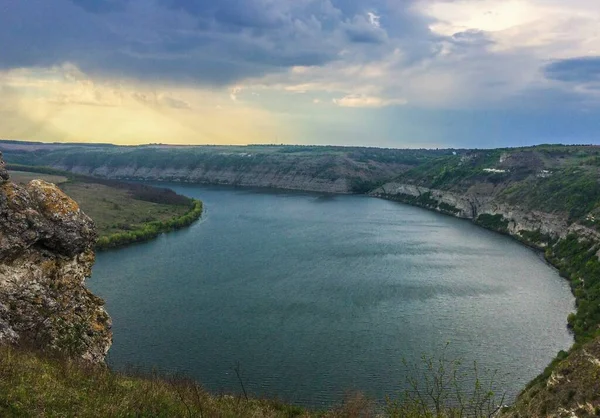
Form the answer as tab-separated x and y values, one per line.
494	222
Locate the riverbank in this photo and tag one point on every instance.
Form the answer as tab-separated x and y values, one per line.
150	230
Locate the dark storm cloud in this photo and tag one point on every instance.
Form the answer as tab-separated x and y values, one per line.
42	33
211	42
361	30
584	70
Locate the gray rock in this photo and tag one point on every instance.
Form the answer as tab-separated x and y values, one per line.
46	253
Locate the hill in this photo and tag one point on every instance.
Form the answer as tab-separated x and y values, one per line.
321	169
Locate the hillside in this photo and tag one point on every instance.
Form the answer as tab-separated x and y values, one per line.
321	169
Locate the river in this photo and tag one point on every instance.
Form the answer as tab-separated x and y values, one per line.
315	296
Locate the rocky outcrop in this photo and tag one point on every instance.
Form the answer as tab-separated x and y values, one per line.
46	253
472	205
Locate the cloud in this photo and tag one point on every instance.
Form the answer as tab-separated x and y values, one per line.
365	29
170	56
374	19
160	100
359	100
581	69
233	94
211	43
65	104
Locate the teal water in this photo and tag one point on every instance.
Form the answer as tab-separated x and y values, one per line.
316	296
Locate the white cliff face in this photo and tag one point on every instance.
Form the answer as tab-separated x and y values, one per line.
46	253
471	205
255	177
466	206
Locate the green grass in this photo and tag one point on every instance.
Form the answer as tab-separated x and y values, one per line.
493	222
114	210
34	384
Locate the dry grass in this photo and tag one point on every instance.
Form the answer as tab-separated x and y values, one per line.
24	177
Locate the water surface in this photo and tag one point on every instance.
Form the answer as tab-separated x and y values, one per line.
318	295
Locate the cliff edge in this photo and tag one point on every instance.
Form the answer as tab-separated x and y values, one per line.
46	253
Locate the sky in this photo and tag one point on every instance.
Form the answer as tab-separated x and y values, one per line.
390	73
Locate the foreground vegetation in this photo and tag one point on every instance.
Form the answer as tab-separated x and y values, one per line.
124	213
44	385
37	385
569	387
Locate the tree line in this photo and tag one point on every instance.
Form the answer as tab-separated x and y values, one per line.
150	230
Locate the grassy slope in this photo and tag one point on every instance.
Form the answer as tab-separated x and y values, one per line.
115	210
554	179
573	384
36	385
24	177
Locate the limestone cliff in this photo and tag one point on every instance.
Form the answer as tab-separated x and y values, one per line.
471	205
46	253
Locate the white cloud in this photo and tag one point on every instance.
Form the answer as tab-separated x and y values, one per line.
234	91
359	100
484	53
551	28
374	19
485	15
